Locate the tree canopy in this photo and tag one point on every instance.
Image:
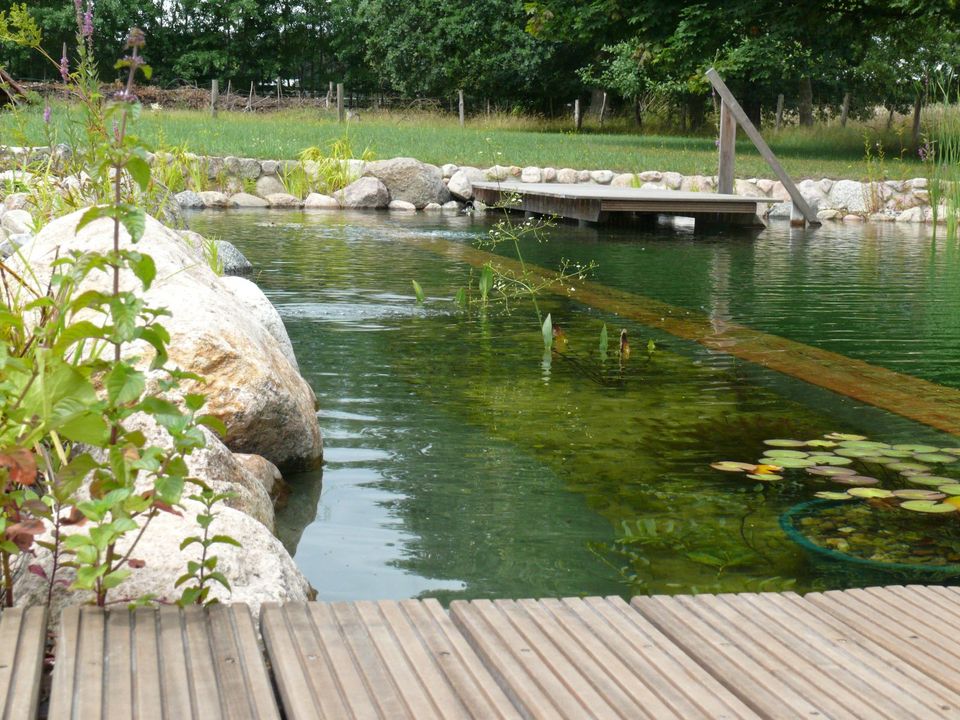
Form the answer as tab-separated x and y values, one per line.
538	54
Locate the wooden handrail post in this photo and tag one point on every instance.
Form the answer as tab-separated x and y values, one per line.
765	152
728	150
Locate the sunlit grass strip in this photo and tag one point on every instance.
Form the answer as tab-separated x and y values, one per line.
828	152
929	403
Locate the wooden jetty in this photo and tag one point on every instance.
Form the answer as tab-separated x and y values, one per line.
891	652
590	203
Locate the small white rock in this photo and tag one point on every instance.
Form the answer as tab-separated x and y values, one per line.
316	201
401	206
602	177
530	174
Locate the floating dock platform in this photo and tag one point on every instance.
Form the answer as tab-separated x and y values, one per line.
589	203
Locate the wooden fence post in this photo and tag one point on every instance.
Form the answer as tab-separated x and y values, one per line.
844	109
728	149
340	111
603	108
329	94
779	110
460	94
577	117
278	93
214	96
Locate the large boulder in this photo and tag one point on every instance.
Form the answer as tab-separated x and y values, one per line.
259	571
461	184
849	195
231	259
250	383
262	310
409	179
367	192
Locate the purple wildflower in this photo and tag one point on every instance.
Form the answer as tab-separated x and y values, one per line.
87	30
65	68
78	6
924	152
136	38
46	114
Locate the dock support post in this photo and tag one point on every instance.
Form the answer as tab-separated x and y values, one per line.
765	152
728	150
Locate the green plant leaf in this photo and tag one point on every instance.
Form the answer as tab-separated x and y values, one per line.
124	384
547	331
139	170
418	292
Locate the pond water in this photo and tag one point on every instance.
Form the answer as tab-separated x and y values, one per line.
461	462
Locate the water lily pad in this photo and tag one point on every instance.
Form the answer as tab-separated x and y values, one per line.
906	467
790	462
938	458
830	471
895	453
844	436
785	453
952	451
864	444
877	460
784	443
869	492
860	480
822	443
916	448
767	477
855	452
933	480
928	506
831	460
918	494
952	489
828	495
732	466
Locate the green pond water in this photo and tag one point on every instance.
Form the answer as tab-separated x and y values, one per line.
461	462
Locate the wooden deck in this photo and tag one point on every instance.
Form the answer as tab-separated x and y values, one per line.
595	203
889	652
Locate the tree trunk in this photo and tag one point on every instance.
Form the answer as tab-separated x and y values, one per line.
915	132
890	118
638	113
806	102
779	120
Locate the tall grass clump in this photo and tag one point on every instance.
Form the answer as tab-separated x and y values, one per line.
941	155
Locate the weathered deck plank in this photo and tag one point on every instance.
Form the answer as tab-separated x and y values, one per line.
592	658
920	625
384	660
785	658
23	636
165	664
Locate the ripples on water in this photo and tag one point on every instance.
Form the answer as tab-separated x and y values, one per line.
459	465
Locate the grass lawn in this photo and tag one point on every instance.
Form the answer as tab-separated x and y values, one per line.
818	152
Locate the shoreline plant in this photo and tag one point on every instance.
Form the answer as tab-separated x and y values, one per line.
77	478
